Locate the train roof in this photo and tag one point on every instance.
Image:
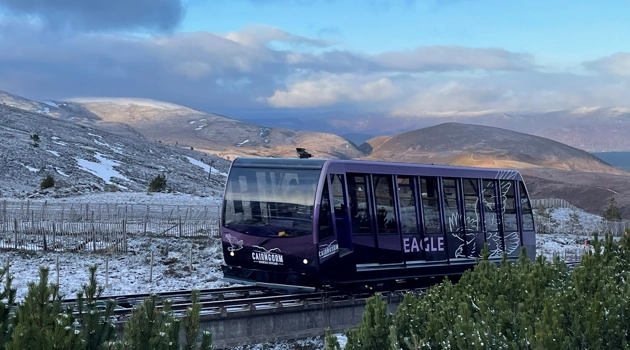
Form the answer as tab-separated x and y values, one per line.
320	163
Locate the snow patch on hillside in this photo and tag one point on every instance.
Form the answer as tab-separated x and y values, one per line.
104	169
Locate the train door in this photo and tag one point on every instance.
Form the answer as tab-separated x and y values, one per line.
389	241
360	210
340	212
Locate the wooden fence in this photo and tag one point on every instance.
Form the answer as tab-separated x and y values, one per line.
99	227
567	225
553	203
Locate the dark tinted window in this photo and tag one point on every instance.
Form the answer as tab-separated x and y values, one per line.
451	211
490	206
408	218
325	215
270	202
385	209
359	209
526	209
430	204
471	202
508	196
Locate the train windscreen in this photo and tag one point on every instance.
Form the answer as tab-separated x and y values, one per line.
270	202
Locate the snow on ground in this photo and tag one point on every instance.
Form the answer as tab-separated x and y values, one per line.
104	169
205	166
127	273
130	273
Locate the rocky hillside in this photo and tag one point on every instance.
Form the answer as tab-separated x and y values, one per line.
591	129
83	159
208	132
551	169
476	145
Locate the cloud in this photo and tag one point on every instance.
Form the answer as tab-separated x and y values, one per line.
329	89
515	91
257	35
101	15
455	58
244	70
617	65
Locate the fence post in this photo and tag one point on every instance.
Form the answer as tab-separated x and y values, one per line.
43	231
146	219
5	223
93	238
54	229
57	268
151	268
15	232
180	226
107	271
190	266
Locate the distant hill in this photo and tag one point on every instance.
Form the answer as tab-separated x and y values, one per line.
83	159
598	129
551	169
476	145
208	132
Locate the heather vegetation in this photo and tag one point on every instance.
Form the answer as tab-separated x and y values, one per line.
512	305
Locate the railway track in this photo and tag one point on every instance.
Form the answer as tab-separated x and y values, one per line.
243	298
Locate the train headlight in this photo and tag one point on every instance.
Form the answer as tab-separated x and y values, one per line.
231	253
305	261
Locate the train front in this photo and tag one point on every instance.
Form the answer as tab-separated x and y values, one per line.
267	222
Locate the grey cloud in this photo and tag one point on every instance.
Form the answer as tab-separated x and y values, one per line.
238	71
515	91
456	58
99	15
617	64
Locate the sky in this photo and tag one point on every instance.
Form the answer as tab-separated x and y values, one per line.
290	57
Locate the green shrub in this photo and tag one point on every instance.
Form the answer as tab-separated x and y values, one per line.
158	184
48	182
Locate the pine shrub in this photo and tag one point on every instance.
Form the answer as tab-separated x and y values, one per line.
514	305
158	184
48	182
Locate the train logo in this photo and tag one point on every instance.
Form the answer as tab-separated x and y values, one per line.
329	249
235	243
267	257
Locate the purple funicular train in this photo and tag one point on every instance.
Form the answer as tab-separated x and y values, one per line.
307	224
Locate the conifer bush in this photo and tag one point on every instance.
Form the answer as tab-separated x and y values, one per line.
513	305
158	184
47	182
41	322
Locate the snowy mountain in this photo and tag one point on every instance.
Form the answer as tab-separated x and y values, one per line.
209	132
83	159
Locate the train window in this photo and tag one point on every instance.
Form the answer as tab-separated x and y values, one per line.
510	222
451	211
526	209
407	198
471	202
337	192
430	205
385	209
325	215
270	202
359	209
491	218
